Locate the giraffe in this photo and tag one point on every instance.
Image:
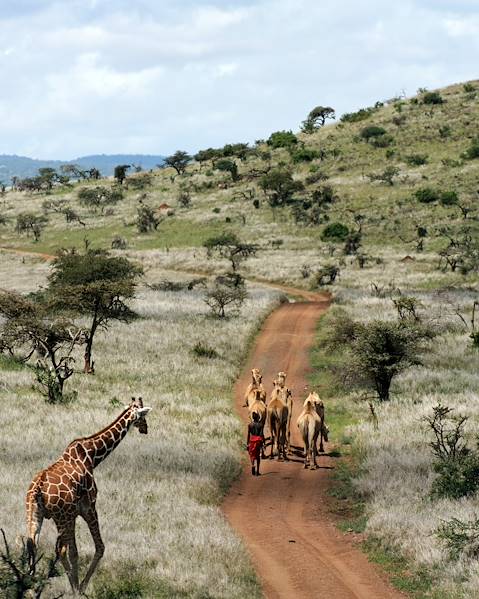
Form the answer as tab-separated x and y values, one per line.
67	489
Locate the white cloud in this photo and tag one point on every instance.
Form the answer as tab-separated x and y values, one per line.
154	76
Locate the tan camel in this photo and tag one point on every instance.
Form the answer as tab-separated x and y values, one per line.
309	424
287	397
277	415
324	432
67	489
259	407
256	383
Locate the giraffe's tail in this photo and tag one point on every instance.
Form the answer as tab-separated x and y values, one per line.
34	520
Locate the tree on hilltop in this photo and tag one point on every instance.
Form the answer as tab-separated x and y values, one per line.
317	118
179	161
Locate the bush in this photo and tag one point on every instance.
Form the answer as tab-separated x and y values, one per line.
473	150
448	198
361	115
222	295
282	139
461	538
305	155
335	232
382	141
416	159
326	275
202	350
456	464
119	243
426	195
432	98
372	131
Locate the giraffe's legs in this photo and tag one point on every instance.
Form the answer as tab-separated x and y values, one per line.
91	518
67	553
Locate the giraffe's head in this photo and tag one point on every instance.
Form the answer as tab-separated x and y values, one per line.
139	413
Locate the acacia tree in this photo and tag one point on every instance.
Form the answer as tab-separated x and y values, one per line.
30	329
179	161
230	166
96	286
120	172
279	186
27	222
317	118
228	245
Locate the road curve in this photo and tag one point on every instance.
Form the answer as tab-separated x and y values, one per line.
296	550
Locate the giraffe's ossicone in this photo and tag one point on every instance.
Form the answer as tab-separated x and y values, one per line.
67	489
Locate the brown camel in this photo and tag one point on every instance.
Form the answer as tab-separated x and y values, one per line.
309	424
324	431
67	489
277	414
287	397
256	383
259	407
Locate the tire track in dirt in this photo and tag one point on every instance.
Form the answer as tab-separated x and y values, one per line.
282	516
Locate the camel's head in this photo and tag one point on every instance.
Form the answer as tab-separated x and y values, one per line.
139	412
256	376
281	379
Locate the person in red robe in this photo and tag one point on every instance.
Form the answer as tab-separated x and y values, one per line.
255	442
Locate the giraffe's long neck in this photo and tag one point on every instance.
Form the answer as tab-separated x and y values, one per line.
100	445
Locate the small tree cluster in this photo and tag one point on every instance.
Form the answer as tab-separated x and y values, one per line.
226	292
31	224
99	197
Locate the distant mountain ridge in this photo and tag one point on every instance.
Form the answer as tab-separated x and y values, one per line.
12	165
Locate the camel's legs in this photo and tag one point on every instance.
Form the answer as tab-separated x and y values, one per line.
91	518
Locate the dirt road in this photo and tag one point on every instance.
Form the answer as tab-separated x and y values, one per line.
281	515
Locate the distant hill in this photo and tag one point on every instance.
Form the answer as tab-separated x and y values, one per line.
12	165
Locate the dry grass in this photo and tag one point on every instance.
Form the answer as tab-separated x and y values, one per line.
158	495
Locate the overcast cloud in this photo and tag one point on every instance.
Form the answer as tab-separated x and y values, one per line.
150	76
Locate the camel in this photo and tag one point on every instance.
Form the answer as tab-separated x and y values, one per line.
279	387
277	414
324	431
256	383
259	407
309	424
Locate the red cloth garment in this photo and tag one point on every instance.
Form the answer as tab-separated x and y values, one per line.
254	447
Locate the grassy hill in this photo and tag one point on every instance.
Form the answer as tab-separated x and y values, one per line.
399	182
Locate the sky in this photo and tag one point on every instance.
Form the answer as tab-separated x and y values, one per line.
153	76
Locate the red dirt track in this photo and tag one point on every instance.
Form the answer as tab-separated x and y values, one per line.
295	548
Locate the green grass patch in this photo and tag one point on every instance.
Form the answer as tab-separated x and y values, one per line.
416	582
10	363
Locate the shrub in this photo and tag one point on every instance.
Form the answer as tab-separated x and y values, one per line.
460	538
360	115
371	131
456	464
426	195
445	131
326	275
432	98
119	243
448	198
305	155
472	151
382	141
202	350
146	219
335	232
468	87
416	159
282	139
315	177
